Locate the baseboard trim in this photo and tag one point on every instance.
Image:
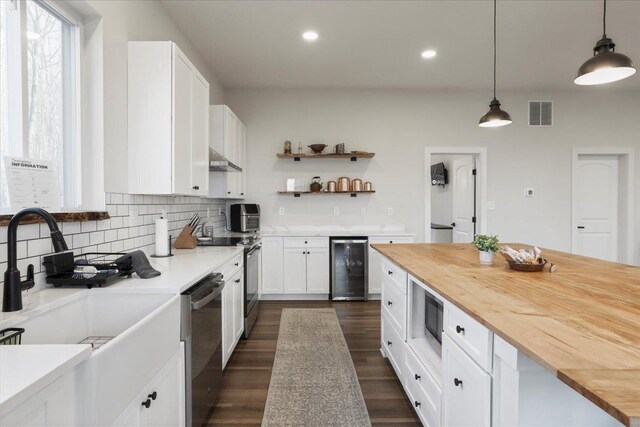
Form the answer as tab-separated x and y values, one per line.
295	297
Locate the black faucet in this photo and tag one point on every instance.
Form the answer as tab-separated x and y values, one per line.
13	287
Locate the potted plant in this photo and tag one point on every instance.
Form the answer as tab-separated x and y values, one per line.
487	245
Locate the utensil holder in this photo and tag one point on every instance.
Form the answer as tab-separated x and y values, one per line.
186	239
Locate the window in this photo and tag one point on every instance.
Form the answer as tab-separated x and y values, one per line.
39	87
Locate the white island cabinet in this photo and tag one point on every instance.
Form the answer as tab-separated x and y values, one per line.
168	121
375	259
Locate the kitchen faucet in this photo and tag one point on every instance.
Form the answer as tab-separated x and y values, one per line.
13	287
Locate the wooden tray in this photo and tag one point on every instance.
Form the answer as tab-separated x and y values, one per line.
526	267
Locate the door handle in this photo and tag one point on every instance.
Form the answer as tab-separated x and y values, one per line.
147	403
153	395
581	227
457	382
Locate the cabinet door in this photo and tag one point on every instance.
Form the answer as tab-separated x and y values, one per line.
238	305
467	388
132	416
272	265
200	135
182	151
318	270
227	323
166	409
242	158
295	271
375	260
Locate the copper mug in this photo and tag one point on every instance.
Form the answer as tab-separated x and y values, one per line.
331	187
344	184
356	185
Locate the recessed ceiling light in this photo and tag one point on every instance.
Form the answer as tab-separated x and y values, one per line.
310	36
429	53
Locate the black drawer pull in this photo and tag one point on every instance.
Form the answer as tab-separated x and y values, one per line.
390	241
389	343
389	302
417	377
153	395
237	264
457	382
147	403
416	403
237	280
459	329
390	272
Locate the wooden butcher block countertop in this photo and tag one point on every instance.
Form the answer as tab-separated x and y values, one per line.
582	322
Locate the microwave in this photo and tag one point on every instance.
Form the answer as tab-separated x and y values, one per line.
433	317
245	217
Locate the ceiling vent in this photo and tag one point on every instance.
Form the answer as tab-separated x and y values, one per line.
540	113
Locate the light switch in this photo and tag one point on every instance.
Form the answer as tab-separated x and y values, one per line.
281	211
529	192
390	211
336	211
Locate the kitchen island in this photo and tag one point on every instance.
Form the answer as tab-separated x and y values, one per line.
580	324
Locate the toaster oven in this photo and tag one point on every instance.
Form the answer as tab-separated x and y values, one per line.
245	218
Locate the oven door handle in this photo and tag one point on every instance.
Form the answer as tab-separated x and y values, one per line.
251	252
197	305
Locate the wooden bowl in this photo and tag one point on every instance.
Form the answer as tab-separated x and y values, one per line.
526	267
317	148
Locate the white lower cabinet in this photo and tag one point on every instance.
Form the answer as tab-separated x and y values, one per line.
375	260
295	270
392	345
306	265
272	265
54	405
232	312
161	403
467	388
317	270
422	389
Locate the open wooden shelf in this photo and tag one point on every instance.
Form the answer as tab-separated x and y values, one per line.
352	156
323	193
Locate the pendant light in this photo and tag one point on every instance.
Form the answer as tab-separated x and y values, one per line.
606	65
496	116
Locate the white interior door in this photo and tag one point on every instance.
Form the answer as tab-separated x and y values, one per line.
462	183
596	204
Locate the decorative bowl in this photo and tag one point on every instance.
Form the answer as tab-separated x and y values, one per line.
317	148
527	267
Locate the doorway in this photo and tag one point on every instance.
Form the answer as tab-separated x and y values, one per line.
455	194
602	204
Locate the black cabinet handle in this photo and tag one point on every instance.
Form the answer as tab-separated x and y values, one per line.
459	329
237	264
242	194
389	302
389	343
237	280
417	377
228	192
457	382
305	242
147	403
390	241
153	395
581	227
453	224
389	272
416	403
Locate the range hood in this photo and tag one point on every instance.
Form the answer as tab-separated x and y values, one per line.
219	163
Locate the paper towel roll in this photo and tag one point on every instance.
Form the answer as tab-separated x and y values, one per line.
162	237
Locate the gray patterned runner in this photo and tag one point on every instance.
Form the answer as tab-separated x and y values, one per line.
313	382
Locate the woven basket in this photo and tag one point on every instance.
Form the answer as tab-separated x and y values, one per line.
527	267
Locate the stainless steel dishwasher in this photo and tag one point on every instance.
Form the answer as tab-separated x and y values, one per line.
201	331
349	278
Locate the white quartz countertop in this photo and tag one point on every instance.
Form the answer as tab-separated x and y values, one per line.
321	231
26	369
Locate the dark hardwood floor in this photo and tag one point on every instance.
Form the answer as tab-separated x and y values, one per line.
246	378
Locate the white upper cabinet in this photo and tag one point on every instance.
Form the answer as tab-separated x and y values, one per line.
228	137
168	127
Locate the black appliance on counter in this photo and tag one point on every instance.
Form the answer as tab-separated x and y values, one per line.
252	255
245	218
201	331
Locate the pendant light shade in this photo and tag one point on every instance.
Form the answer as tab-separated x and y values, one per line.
606	65
495	117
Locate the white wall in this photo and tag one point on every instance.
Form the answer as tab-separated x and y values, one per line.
399	124
442	196
125	21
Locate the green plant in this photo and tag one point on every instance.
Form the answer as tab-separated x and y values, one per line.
487	243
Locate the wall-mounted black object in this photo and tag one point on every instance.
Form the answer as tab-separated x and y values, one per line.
439	174
12	293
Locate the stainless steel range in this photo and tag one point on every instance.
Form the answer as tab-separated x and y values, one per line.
252	259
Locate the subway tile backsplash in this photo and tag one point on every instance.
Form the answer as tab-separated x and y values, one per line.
131	227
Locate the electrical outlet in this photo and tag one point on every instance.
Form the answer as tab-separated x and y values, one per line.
390	211
363	211
281	211
336	211
219	211
491	205
208	214
529	192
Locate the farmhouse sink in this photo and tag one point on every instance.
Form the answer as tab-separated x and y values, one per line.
143	331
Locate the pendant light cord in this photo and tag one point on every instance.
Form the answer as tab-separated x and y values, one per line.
494	47
604	20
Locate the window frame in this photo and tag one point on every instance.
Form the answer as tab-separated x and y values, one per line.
18	96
